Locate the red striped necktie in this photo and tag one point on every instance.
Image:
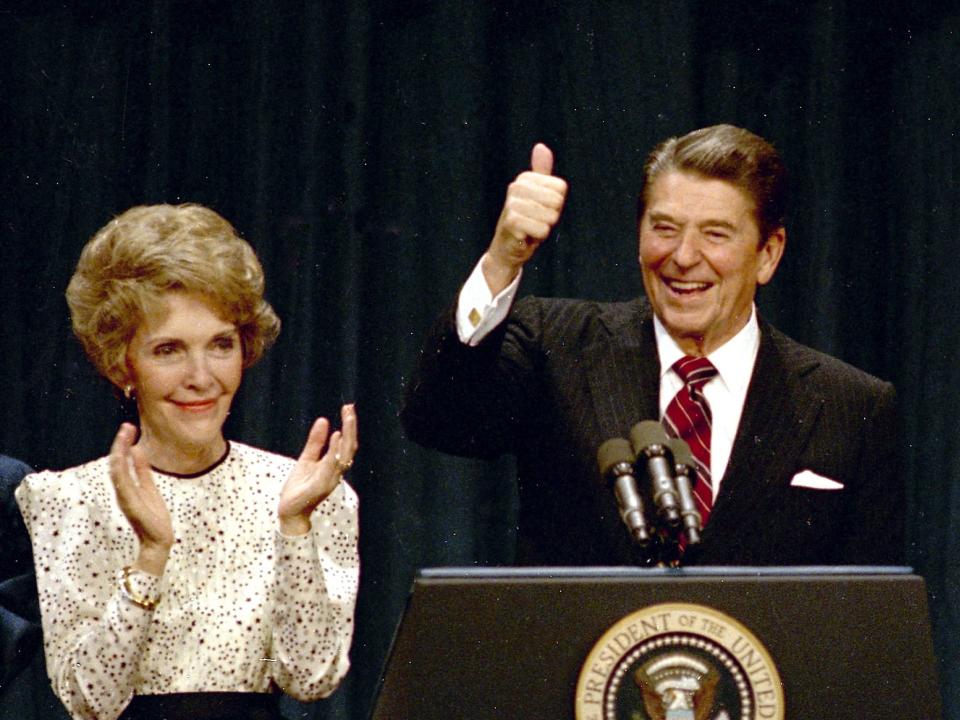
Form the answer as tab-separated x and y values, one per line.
688	418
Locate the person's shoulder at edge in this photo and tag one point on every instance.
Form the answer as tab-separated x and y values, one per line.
12	471
825	366
11	467
13	535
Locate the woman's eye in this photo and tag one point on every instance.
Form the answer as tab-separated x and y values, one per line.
224	344
165	350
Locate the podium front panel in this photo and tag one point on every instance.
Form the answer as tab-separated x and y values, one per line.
848	643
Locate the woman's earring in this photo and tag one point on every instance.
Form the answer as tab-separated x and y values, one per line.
128	391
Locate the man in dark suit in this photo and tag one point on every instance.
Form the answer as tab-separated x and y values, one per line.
19	614
25	692
800	467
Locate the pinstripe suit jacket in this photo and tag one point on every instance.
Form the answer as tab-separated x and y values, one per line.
558	377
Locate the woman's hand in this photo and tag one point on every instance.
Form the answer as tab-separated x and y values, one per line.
317	473
140	501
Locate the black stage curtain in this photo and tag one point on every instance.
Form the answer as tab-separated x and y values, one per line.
364	147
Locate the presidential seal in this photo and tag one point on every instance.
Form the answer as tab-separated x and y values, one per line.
679	661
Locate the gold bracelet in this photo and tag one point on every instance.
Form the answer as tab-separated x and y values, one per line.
128	593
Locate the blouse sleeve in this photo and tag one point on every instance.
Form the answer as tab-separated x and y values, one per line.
92	634
316	577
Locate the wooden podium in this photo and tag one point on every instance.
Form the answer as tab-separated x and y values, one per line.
845	643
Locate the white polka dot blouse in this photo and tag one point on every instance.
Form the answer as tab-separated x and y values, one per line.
241	607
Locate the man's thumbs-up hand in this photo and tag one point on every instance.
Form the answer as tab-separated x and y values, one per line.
531	209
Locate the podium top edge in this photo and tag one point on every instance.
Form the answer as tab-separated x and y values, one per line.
621	572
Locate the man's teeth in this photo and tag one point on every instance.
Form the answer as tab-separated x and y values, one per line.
680	286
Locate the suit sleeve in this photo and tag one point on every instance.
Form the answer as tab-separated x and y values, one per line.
19	613
17	558
874	515
471	400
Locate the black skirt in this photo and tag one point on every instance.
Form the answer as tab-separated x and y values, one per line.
204	706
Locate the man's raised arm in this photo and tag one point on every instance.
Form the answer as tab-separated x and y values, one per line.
457	399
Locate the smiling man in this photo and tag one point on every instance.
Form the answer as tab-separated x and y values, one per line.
794	448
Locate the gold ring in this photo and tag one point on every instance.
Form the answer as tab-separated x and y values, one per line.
342	467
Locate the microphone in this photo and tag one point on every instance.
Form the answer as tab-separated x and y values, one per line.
615	459
649	442
685	478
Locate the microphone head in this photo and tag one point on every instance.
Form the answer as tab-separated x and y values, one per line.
647	433
612	453
681	452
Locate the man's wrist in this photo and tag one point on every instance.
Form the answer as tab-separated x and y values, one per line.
497	273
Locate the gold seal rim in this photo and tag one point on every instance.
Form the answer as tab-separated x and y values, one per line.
672	608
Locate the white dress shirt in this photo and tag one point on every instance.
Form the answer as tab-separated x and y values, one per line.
726	392
478	312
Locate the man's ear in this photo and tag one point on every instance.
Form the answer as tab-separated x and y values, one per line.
770	254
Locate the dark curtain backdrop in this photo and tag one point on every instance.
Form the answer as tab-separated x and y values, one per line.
364	147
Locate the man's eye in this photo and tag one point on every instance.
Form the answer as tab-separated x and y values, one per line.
717	235
664	229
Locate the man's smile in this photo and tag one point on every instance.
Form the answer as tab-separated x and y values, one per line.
685	287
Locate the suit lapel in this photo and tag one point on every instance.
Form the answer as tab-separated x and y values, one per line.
624	372
778	415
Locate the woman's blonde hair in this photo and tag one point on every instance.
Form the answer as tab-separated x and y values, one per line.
131	262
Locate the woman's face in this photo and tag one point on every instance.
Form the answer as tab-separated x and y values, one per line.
185	364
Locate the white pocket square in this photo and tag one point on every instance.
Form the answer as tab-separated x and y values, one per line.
809	479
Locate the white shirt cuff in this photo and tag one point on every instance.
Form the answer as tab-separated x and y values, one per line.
478	312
